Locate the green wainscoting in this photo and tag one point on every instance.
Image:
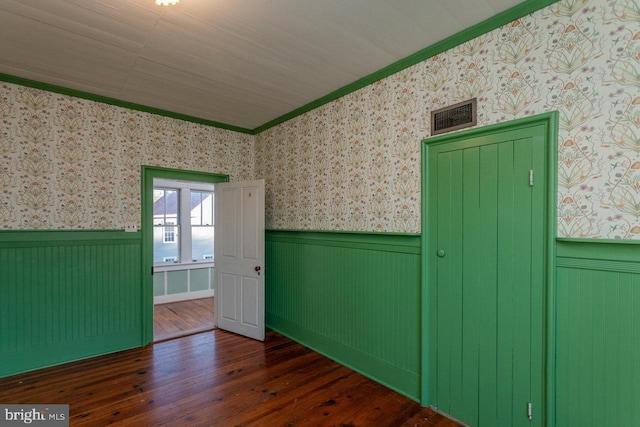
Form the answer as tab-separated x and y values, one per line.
597	333
354	297
67	295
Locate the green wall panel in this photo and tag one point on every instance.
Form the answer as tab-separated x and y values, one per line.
158	284
200	279
67	295
353	297
597	333
177	282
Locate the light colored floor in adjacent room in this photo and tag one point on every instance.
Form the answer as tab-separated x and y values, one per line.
176	319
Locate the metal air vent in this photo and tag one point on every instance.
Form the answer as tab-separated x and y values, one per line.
453	117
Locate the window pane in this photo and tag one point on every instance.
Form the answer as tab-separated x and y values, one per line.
207	208
201	208
196	208
202	243
166	243
165	206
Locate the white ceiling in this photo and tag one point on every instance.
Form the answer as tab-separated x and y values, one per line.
238	62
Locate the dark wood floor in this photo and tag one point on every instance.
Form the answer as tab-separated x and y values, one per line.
176	319
217	378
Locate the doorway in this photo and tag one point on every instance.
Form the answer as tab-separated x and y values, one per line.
488	237
180	318
168	267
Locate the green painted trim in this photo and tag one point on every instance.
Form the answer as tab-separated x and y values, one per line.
598	250
510	15
148	173
409	244
118	103
568	240
338	232
552	127
599	265
360	362
32	238
550	121
546	119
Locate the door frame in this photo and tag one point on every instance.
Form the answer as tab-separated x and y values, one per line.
550	121
148	173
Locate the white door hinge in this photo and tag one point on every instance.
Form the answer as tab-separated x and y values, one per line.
530	410
531	178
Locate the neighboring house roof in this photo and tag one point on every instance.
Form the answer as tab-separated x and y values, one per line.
172	204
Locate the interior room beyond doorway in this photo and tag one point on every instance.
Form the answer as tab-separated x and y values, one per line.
175	319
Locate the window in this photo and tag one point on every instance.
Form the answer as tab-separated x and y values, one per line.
183	214
201	224
169	234
166	206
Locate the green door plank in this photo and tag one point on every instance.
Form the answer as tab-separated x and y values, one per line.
443	298
455	285
470	303
506	237
456	292
448	307
487	281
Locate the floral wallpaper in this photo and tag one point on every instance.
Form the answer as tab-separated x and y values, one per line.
70	163
354	164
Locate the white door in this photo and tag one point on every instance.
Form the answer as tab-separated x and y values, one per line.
239	258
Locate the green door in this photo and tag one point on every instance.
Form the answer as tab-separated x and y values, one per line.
486	249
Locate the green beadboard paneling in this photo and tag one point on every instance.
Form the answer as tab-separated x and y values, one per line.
67	295
597	333
353	297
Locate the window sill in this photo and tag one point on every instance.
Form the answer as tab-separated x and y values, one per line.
158	268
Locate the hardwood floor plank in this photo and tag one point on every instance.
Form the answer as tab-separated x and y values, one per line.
217	379
175	319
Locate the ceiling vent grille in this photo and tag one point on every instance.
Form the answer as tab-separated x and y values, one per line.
457	116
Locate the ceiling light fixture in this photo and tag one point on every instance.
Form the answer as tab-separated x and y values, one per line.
167	2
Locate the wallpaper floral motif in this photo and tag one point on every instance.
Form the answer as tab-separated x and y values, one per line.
354	164
70	163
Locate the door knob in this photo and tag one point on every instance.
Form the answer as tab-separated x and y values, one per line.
256	268
441	253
